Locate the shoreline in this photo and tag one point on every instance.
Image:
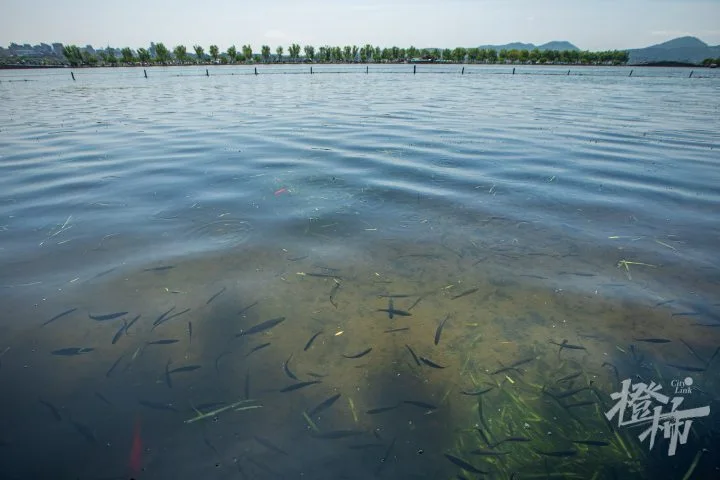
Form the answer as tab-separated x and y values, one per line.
515	65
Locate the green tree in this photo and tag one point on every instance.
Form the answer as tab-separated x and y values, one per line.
279	53
309	52
412	52
111	58
231	53
127	55
73	55
180	53
247	52
200	52
89	59
215	52
294	51
265	52
143	55
458	54
162	54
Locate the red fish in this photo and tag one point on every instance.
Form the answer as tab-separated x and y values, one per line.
282	190
136	450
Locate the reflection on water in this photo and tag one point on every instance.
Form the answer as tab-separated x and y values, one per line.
448	279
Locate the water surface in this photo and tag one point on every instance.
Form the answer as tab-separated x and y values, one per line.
521	209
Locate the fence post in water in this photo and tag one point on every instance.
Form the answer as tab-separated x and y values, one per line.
72	75
630	73
367	69
463	71
414	69
568	72
207	72
255	70
691	72
513	70
311	71
145	72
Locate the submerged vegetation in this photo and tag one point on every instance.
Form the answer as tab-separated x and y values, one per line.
159	54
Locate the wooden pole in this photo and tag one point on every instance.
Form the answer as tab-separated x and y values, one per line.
691	72
568	72
513	70
207	72
367	69
145	72
463	71
72	75
255	70
311	71
414	69
630	73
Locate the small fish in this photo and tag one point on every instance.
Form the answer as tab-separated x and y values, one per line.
401	295
653	340
85	432
317	375
109	316
119	333
488	453
439	330
157	405
261	327
414	304
59	315
570	393
338	434
298	386
510	439
161	318
215	296
559	453
159	269
430	363
247	308
394	330
55	412
167	318
132	322
71	351
427	406
592	443
579	404
167	341
466	292
476	392
321	275
463	464
217	360
259	347
310	342
102	398
334	290
375	411
168	379
189	333
114	365
568	377
392	312
565	344
324	405
687	368
269	445
360	354
415	357
209	405
685	314
186	368
286	369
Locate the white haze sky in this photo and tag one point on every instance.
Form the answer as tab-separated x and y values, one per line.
589	24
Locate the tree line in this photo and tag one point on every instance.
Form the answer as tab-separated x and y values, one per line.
160	54
711	61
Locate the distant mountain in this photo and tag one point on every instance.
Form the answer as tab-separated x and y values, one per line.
683	49
556	45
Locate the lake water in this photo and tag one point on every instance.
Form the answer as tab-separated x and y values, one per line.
517	211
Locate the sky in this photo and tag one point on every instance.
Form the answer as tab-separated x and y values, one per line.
589	24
